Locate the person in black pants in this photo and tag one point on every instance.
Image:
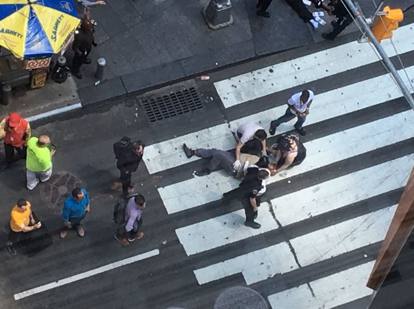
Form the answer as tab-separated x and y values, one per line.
262	6
82	46
128	155
343	19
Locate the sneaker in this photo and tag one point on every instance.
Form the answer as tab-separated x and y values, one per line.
252	224
139	236
188	151
272	131
203	172
314	24
301	131
11	250
263	14
63	234
327	36
122	241
80	230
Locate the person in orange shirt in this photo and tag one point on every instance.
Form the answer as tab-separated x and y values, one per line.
22	220
15	132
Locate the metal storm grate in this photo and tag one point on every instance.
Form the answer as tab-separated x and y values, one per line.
171	105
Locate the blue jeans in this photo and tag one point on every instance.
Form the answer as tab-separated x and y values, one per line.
287	117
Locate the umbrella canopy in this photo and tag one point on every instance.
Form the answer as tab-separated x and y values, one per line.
31	28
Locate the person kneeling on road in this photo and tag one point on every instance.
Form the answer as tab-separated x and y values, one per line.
289	151
251	140
130	221
75	209
22	221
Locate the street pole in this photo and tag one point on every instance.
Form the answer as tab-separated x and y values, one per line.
362	22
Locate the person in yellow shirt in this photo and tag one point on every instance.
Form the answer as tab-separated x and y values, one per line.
22	220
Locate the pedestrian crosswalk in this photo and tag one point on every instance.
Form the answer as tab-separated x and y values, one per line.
337	203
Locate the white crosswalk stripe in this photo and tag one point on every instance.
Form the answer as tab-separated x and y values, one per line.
262	82
351	183
302	204
323	151
309	249
334	103
328	292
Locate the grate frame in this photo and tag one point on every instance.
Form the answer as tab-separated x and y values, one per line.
174	104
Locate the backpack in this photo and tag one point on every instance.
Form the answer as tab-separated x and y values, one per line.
119	209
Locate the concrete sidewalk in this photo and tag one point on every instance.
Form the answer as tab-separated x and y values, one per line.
148	43
153	43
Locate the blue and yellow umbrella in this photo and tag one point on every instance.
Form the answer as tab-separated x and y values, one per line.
32	28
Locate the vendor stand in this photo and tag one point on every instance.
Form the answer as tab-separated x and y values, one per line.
32	32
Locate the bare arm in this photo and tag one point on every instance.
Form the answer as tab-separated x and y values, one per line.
288	161
253	203
238	148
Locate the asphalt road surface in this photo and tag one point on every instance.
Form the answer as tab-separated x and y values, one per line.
322	221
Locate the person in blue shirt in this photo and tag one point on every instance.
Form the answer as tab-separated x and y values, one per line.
74	211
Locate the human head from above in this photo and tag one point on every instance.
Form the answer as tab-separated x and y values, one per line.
13	120
260	134
285	144
43	141
304	97
140	201
77	194
22	204
138	147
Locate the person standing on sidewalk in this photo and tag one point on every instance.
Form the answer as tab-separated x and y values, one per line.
298	106
15	132
128	156
82	46
75	208
129	228
22	221
38	160
343	18
261	8
303	12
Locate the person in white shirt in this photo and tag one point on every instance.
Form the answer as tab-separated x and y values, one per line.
298	106
251	139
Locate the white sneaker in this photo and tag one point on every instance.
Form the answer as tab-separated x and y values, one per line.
314	24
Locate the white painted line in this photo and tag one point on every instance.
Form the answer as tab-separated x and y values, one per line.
298	206
330	291
310	248
320	152
86	274
337	102
255	266
55	112
285	75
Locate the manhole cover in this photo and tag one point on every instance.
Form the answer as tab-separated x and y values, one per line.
240	297
171	105
58	188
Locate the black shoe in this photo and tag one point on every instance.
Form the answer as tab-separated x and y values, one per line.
203	172
263	14
272	131
77	75
252	224
188	151
11	250
327	36
301	131
87	61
